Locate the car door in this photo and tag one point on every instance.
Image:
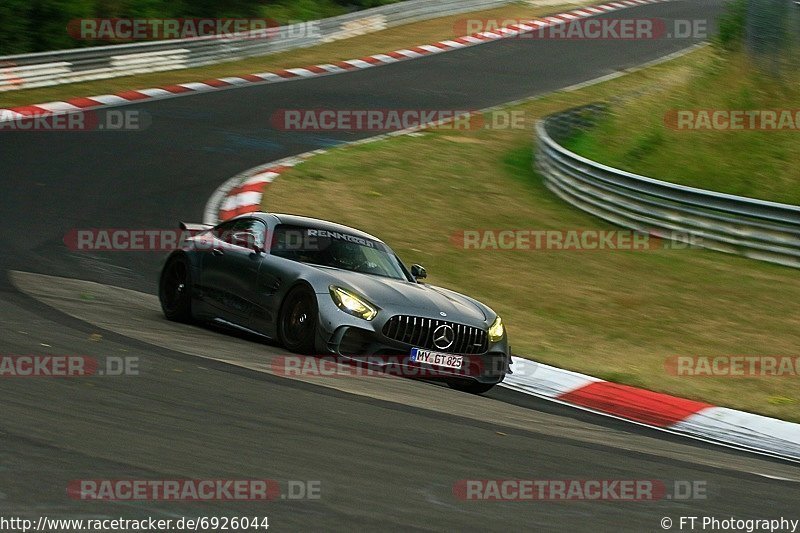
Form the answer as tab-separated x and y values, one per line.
212	257
230	269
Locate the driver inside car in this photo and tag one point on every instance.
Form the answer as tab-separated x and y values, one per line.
345	255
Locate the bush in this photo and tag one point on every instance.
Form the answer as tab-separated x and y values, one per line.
732	25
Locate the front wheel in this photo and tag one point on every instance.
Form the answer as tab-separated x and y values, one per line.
297	321
175	290
470	386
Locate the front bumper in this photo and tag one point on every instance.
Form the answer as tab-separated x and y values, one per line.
349	337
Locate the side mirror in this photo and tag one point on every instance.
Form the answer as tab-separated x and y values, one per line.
418	271
246	239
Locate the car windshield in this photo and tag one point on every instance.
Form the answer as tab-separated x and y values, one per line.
336	249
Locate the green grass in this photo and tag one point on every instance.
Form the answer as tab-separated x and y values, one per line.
612	314
759	164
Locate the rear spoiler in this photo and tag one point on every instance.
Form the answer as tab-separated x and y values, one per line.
191	226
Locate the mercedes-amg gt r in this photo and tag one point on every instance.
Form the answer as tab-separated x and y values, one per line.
321	288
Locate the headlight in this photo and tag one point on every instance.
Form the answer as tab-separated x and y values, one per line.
352	304
496	330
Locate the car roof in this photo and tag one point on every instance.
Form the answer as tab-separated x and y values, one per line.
315	223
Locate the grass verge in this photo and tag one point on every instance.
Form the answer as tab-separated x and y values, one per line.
424	32
640	134
612	314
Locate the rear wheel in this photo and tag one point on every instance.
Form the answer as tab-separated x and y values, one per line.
175	290
297	321
470	386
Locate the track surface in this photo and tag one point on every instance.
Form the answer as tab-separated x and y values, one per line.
383	461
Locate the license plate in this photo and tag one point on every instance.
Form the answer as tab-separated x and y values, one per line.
445	360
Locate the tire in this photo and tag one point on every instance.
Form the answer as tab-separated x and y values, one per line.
470	386
297	321
175	289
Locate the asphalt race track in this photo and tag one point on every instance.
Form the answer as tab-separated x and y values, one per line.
386	453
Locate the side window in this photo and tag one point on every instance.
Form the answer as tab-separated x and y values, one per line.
256	227
224	231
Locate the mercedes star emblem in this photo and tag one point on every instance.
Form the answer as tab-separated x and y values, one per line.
443	337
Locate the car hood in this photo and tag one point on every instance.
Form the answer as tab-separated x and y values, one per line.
404	297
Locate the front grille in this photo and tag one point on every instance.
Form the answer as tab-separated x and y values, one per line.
418	331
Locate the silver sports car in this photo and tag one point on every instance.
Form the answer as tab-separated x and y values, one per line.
321	288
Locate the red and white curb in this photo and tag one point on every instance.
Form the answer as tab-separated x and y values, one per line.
74	105
699	420
243	194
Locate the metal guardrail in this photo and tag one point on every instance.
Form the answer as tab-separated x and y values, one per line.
84	64
758	229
